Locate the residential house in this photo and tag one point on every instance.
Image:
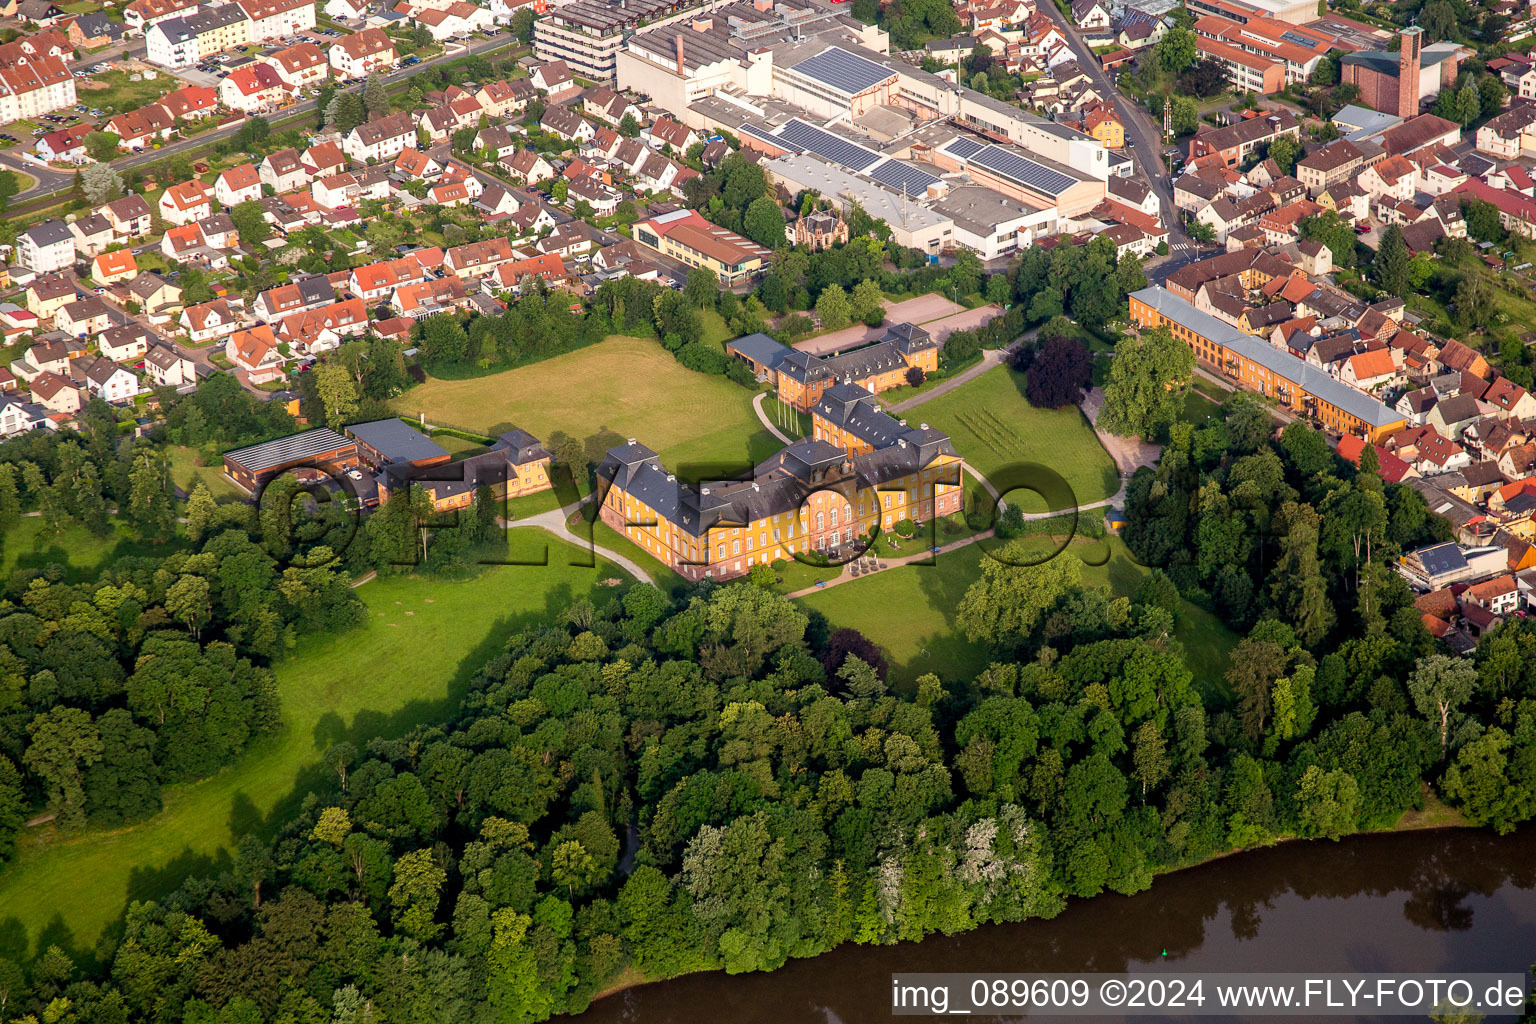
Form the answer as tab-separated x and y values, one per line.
18	417
191	102
1369	371
208	321
115	266
322	328
284	171
1510	400
324	158
606	105
93	233
67	145
48	292
159	299
253	89
413	163
34	87
429	297
83	317
302	293
498	99
42	357
186	202
278	19
46	247
237	185
497	201
375	282
141	128
1395	177
497	140
124	342
107	380
130	217
139	15
666	132
168	367
478	258
354	56
301	66
1234	142
93	31
1091	16
380	140
554	79
254	350
55	393
528	166
566	123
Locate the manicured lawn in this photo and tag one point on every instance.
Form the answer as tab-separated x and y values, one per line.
629	387
424	642
1198	408
186	474
997	431
716	333
661	574
31	545
909	611
459	447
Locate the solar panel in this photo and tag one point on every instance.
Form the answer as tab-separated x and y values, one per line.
1023	170
768	137
846	72
903	177
1299	40
964	148
823	143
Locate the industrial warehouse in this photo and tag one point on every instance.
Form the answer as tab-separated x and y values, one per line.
818	95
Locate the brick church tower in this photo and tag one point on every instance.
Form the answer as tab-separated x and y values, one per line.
1408	72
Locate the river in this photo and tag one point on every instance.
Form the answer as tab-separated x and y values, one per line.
1446	900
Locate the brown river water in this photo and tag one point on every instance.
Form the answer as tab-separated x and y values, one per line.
1452	900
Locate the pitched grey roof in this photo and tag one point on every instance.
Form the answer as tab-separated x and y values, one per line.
49	232
1305	376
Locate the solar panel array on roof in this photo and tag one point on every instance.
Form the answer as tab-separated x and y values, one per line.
1298	39
846	72
285	451
767	136
964	148
903	177
823	143
1023	170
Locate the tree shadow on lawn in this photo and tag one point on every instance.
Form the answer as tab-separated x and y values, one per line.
245	818
944	649
39	557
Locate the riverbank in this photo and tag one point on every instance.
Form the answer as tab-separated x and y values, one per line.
1442	900
1434	816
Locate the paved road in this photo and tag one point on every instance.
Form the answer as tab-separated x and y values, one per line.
198	142
1143	137
762	416
554	521
989	358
